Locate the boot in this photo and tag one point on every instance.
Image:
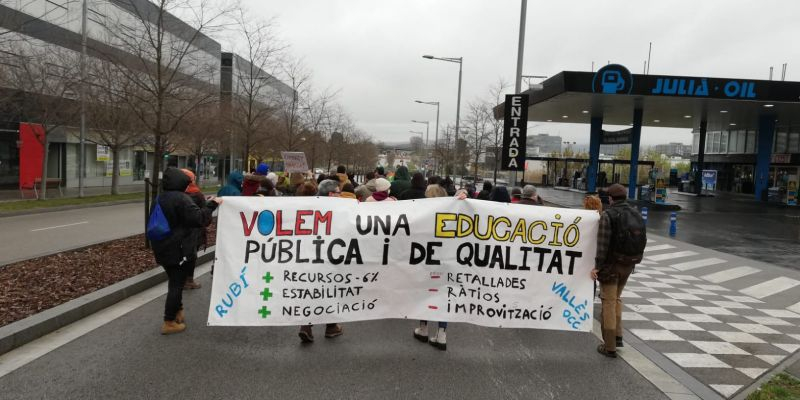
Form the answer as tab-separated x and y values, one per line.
180	317
421	333
440	340
333	330
170	327
306	336
191	284
619	341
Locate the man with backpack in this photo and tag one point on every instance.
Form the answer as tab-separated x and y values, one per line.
171	231
621	239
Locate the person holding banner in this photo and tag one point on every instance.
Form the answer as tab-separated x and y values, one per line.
173	252
382	187
621	239
199	199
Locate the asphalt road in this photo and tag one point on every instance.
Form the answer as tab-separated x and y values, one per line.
28	236
128	359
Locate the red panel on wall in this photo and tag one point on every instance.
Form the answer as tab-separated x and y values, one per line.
31	153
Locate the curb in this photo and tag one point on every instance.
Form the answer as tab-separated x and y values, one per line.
31	328
43	210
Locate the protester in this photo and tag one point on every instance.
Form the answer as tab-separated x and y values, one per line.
485	191
530	197
199	200
500	194
273	177
439	340
234	185
449	186
416	190
348	192
470	189
516	194
381	193
621	239
172	253
435	180
327	188
341	173
266	189
380	172
296	180
401	182
253	181
593	202
308	188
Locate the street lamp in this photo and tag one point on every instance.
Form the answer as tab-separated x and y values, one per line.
460	61
436	135
427	136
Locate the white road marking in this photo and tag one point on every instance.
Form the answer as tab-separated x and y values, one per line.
770	287
730	274
59	226
671	256
658	247
685	266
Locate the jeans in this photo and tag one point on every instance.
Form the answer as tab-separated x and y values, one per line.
177	278
190	264
610	291
441	324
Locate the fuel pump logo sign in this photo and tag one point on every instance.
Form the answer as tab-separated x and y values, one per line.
612	79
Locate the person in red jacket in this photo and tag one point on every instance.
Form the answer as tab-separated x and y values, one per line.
252	182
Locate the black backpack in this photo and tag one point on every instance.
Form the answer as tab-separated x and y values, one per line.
628	235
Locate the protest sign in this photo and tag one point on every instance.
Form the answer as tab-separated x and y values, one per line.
309	260
294	161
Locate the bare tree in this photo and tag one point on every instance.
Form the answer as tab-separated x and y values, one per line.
42	82
253	95
477	126
298	78
108	96
496	96
165	59
201	134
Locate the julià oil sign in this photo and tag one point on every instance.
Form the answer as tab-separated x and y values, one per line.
515	130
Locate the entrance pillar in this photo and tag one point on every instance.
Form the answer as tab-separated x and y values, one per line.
701	155
766	133
594	153
636	136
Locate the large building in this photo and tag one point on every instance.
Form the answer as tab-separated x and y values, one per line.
542	144
673	149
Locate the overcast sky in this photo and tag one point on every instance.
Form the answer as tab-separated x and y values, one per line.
371	49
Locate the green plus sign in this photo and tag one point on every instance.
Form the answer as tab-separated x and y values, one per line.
264	312
266	294
268	278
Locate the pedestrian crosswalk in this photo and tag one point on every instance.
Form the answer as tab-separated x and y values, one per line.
724	320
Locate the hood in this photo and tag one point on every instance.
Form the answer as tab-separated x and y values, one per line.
175	179
262	169
402	174
235	178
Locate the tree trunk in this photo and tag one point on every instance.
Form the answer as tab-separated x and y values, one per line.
158	156
115	170
45	160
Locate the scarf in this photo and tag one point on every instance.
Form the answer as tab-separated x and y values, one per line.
380	196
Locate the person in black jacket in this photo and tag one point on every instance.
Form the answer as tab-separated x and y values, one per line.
417	189
184	216
486	191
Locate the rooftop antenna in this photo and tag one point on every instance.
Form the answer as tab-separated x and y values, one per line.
592	66
770	73
649	51
783	74
644	68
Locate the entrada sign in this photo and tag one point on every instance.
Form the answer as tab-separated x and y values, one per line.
515	129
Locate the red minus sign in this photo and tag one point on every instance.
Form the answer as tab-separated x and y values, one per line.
435	276
433	290
433	307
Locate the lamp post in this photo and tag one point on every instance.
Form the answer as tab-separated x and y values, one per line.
427	137
436	135
81	145
460	61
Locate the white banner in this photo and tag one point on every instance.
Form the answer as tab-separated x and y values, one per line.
301	260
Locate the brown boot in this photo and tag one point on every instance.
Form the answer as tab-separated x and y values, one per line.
191	284
333	330
306	336
180	317
170	327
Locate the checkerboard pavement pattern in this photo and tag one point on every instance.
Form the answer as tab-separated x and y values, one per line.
707	324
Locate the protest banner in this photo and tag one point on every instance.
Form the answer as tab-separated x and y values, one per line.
294	161
309	260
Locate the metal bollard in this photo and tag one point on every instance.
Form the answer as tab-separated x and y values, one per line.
673	223
644	215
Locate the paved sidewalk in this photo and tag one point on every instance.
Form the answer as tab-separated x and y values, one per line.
128	359
752	230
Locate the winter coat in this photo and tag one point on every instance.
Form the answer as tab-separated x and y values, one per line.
401	183
483	195
531	202
183	216
199	199
343	180
411	194
234	185
252	182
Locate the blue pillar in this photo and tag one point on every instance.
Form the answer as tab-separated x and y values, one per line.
766	133
636	136
701	156
594	153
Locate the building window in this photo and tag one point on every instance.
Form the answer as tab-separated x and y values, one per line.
780	142
794	143
752	141
723	142
696	143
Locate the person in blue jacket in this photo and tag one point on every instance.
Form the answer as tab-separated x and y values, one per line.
234	185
